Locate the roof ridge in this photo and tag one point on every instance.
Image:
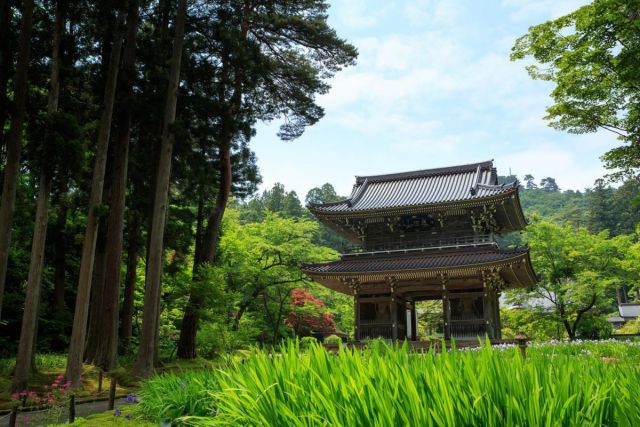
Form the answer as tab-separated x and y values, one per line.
488	164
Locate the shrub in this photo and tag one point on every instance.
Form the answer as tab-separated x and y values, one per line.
333	339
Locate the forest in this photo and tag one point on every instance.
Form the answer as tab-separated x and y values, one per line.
126	130
132	231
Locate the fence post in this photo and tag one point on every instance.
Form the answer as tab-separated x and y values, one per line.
14	416
112	393
100	381
72	408
522	344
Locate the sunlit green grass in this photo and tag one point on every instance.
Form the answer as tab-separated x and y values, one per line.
386	386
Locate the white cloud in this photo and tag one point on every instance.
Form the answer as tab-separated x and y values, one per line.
528	10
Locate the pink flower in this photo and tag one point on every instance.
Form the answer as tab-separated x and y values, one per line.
32	394
23	393
60	377
15	395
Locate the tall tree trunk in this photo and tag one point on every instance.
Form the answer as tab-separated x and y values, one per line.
26	345
79	331
14	142
107	352
97	293
189	329
59	255
133	252
5	65
153	285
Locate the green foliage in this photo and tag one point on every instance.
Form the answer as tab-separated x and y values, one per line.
333	339
577	271
307	342
594	327
383	385
536	324
592	57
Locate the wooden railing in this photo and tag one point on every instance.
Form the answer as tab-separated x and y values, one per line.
376	331
468	329
405	246
437	345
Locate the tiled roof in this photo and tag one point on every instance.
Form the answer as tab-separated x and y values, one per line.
629	309
425	187
415	260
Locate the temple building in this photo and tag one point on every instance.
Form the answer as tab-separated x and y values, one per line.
426	235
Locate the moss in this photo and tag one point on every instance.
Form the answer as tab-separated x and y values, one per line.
108	418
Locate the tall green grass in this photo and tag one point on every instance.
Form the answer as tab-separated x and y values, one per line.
46	362
387	386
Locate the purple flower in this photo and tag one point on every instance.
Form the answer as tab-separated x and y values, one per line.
131	399
128	416
117	413
183	386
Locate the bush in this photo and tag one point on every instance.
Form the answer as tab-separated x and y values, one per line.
333	339
594	327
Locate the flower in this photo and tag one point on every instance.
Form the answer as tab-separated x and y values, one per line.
131	399
15	395
23	393
117	413
128	416
183	386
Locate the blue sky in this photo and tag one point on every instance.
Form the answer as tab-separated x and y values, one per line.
433	87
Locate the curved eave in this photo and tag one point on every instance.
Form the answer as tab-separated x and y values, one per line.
513	217
516	270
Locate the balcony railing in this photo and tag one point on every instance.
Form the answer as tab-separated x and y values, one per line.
409	247
376	331
468	330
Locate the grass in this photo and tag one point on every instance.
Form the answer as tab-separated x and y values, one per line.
558	385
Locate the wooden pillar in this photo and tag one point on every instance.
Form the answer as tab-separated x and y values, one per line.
394	315
356	318
497	322
487	312
414	322
393	306
446	312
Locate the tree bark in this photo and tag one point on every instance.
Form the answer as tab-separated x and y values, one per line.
79	331
5	64
97	292
59	255
133	250
14	142
153	286
106	355
34	282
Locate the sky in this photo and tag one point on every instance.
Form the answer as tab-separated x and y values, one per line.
433	87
